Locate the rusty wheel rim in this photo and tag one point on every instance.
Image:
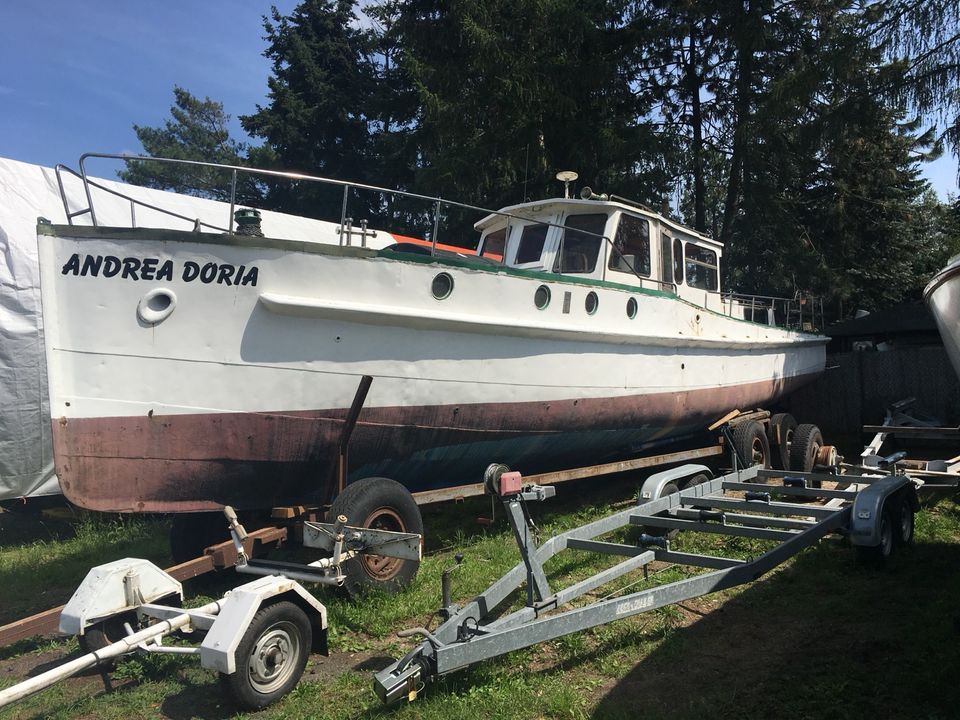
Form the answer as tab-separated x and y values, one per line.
377	566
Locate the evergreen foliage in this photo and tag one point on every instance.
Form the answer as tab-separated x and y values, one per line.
792	131
197	130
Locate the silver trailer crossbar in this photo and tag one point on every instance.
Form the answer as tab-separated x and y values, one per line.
867	515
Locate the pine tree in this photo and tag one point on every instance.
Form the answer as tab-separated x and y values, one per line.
316	121
197	130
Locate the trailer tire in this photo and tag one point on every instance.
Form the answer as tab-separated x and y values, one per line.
877	555
106	632
384	504
903	520
698	479
750	441
271	656
670	533
781	430
806	443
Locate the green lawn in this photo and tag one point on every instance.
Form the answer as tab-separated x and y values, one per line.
820	637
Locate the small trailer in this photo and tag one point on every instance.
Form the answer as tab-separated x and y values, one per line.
258	636
794	509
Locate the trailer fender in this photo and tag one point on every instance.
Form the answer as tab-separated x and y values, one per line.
653	486
113	589
219	647
870	504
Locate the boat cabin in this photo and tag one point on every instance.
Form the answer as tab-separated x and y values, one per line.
606	240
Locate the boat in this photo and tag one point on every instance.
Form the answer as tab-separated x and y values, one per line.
942	296
191	370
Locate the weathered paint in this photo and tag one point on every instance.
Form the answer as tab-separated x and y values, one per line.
204	461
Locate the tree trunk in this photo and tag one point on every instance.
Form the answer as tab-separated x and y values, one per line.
696	124
745	50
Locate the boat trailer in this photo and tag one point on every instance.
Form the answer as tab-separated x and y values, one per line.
258	636
874	510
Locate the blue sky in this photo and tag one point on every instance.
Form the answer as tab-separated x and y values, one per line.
76	75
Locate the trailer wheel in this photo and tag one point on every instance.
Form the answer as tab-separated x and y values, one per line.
382	504
782	428
106	632
751	444
877	555
806	443
903	518
670	533
271	656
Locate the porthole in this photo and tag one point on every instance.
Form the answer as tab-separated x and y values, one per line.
442	286
591	303
541	298
632	308
156	306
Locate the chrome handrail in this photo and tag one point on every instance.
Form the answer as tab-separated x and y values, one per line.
790	306
437	202
133	201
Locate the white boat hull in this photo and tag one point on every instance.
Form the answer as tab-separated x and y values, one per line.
942	296
239	395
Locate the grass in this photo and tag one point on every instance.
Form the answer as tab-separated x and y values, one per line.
818	637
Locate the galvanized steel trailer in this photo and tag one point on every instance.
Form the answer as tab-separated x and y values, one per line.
875	510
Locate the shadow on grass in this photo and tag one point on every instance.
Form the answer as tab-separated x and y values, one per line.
821	638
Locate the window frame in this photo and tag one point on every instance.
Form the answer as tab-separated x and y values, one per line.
562	240
700	263
615	256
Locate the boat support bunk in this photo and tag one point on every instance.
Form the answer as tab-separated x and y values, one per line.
875	511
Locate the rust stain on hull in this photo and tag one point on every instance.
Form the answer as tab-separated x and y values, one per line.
186	463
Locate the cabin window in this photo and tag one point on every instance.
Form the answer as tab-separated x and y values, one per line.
631	246
666	259
530	247
701	266
494	244
678	261
580	244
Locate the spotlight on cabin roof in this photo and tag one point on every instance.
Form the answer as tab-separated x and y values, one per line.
566	177
588	194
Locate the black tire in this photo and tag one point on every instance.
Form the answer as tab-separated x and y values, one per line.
386	505
271	656
877	556
751	444
670	533
807	441
106	632
781	430
903	520
697	479
192	533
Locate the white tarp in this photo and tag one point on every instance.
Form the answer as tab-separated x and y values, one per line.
31	191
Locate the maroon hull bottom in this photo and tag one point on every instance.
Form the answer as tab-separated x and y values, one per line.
187	463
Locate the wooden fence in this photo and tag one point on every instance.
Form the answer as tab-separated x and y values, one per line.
858	386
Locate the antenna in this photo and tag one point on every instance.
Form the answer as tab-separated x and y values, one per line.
566	177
